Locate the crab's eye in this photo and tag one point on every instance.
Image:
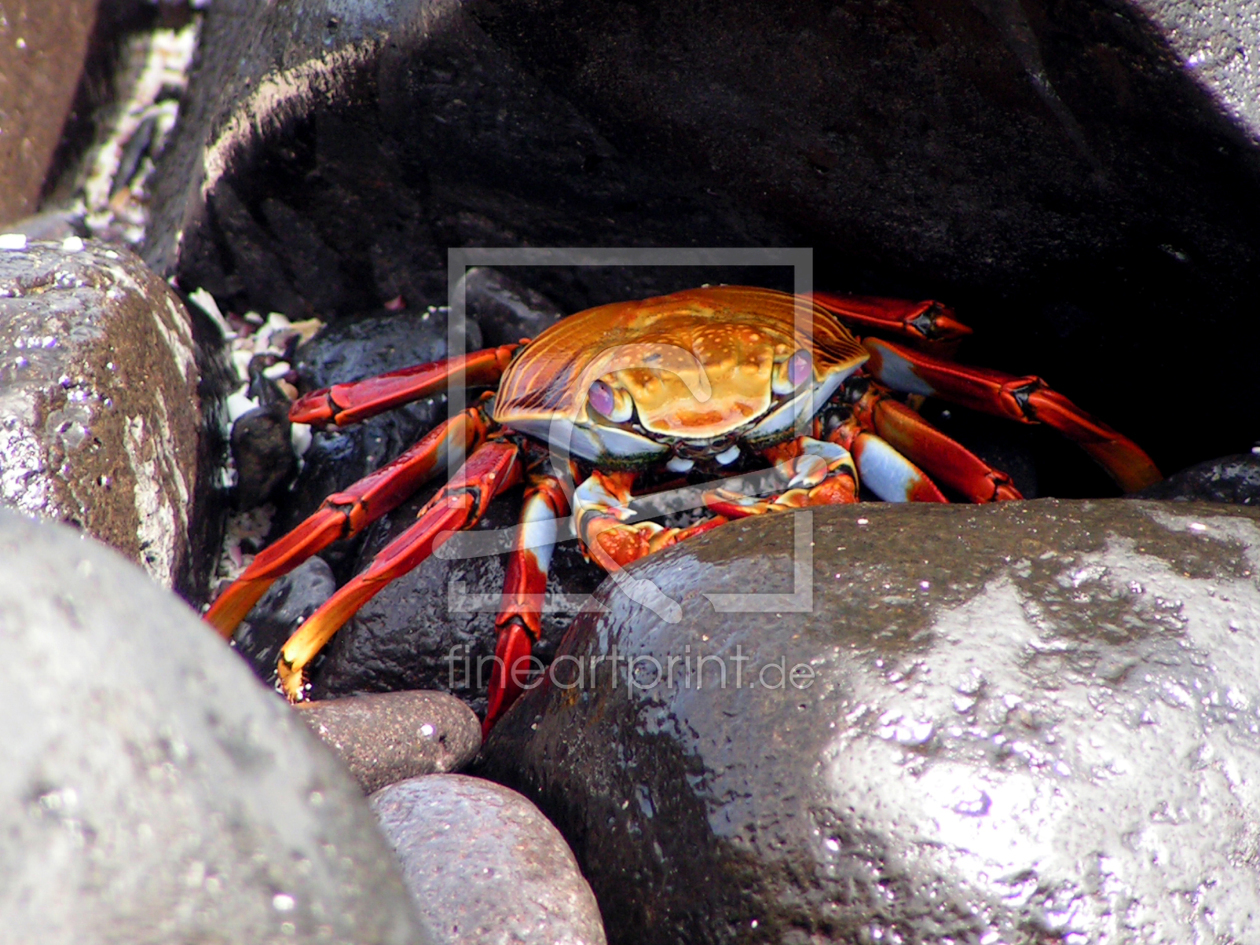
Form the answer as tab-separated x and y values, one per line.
601	398
800	367
613	404
792	373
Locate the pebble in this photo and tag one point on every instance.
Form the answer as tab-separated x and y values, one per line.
485	866
388	737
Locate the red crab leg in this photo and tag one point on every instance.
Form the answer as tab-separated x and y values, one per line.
600	506
344	514
490	470
883	469
923	321
946	460
349	403
1026	399
519	623
818	473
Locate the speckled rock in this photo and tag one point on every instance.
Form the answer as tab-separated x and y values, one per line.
152	791
100	407
43	44
388	737
1234	479
484	866
1031	722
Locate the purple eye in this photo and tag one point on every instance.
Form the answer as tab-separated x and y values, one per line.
800	367
601	398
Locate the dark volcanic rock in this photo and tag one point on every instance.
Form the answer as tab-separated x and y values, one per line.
388	737
1229	479
288	602
1030	722
506	310
102	425
152	791
262	452
1076	179
485	866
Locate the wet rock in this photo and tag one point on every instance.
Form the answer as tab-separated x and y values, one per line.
49	225
1034	721
373	344
101	424
43	44
496	160
1229	479
433	628
506	310
288	602
484	865
152	791
262	452
389	737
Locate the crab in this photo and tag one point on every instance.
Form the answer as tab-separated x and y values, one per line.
703	382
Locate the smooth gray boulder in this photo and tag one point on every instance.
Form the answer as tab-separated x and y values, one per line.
1026	722
152	790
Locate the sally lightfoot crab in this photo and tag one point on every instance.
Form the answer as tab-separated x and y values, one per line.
698	383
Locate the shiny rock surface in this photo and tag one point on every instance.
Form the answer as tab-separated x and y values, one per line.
1034	722
100	406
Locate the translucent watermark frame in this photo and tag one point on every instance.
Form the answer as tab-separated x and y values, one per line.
644	592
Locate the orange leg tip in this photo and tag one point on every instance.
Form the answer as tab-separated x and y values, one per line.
292	680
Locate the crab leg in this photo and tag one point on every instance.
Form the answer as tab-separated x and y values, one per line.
519	623
349	403
922	321
601	509
344	514
885	471
491	469
1026	399
818	472
946	460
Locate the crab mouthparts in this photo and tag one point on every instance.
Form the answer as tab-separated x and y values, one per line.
718	449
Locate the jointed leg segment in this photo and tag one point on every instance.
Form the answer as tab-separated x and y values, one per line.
458	505
345	514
